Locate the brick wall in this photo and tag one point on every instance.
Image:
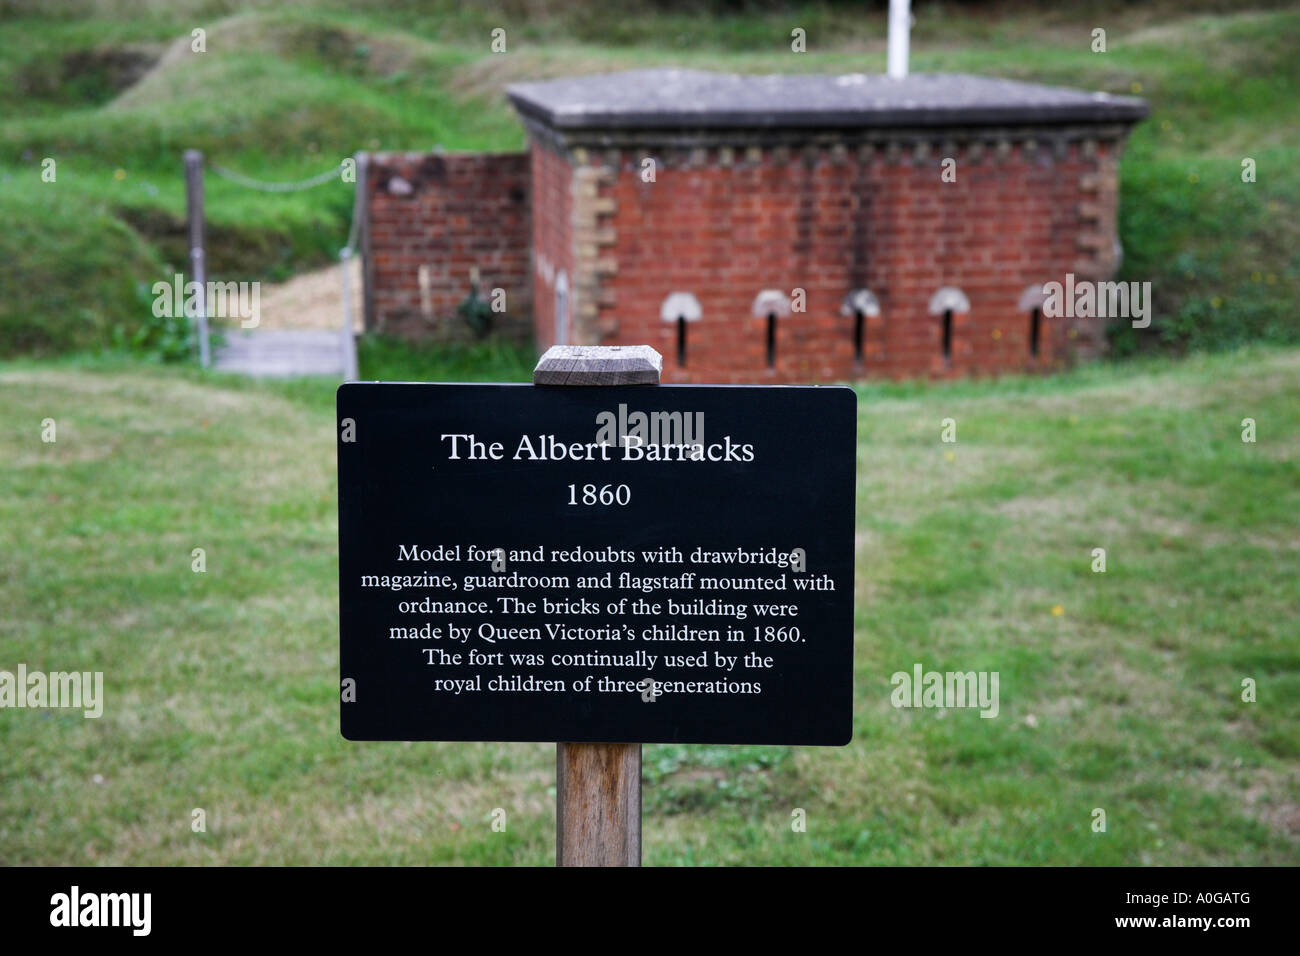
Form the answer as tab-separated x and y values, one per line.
553	246
725	222
447	213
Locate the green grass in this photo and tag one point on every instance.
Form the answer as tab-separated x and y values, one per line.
221	686
389	360
113	92
82	265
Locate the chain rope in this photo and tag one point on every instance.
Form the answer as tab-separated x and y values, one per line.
266	187
298	186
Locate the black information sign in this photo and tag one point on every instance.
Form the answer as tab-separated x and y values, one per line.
597	564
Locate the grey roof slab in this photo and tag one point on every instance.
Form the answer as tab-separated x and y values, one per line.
675	98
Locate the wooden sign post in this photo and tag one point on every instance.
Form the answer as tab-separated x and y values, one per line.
598	786
597	804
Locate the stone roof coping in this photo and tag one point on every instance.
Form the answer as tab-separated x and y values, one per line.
679	98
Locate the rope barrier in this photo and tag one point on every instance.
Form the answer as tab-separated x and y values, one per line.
242	180
348	343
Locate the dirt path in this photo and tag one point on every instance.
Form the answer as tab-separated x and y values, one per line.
300	328
313	300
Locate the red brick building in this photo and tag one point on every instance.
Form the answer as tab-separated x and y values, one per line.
768	228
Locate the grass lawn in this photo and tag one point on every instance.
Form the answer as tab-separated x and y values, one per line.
1119	691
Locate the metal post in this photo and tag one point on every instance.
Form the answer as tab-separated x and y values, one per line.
361	223
900	26
198	269
348	341
598	786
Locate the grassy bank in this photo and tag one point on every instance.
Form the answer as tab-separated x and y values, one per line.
1119	691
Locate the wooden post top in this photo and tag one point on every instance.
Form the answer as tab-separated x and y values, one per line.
599	365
